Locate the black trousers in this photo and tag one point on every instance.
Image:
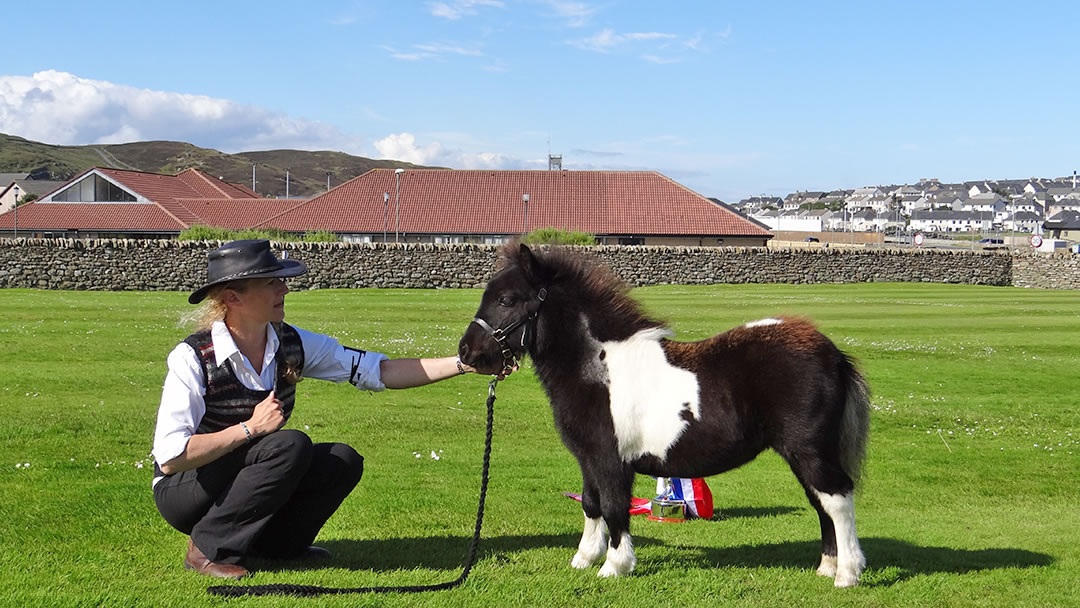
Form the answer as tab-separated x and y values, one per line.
268	498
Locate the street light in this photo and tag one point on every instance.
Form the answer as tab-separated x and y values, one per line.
397	205
16	211
525	220
385	213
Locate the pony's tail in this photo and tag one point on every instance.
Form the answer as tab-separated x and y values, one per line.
855	429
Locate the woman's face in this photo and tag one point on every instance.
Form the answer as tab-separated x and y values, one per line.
261	300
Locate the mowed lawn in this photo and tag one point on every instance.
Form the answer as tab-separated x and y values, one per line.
971	495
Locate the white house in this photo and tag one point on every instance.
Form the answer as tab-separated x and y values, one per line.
1024	221
951	221
789	220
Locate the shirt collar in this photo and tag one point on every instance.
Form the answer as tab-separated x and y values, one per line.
225	347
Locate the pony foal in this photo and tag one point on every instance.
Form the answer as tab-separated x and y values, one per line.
627	399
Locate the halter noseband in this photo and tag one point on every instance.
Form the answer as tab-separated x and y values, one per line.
500	334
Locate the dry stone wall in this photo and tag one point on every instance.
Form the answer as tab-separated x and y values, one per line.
122	265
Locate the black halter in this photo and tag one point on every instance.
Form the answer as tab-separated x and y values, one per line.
500	335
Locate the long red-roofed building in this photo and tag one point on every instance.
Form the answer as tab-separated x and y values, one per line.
456	206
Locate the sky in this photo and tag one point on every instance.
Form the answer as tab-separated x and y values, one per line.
730	99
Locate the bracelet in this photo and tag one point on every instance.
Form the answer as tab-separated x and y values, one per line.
460	370
247	433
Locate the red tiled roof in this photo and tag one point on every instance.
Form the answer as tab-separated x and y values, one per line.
210	187
236	214
173	205
470	202
108	217
165	189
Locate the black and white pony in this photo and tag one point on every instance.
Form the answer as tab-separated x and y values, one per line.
629	400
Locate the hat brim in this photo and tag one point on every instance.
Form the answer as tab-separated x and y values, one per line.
289	268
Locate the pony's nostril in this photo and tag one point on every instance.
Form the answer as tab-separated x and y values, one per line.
463	350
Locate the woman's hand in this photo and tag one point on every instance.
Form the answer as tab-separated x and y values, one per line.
501	375
267	416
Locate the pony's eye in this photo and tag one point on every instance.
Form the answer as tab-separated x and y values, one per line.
506	300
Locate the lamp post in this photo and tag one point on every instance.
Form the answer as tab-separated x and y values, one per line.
16	211
525	220
397	205
385	213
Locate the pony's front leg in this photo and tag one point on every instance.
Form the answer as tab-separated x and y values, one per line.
594	537
615	492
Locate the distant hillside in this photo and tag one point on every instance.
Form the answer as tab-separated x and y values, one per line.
307	170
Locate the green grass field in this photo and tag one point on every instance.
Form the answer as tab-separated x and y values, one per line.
971	495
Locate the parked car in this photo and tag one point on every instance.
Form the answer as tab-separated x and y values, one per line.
991	241
812	239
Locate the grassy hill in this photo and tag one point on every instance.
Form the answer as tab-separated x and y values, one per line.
307	170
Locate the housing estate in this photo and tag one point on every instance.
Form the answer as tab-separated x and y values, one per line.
1033	206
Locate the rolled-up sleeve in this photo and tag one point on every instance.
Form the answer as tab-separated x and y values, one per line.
182	404
326	359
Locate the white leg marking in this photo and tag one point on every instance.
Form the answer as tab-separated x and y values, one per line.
850	561
593	541
621	561
827	566
763	322
648	395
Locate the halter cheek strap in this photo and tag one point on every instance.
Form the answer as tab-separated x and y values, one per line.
500	334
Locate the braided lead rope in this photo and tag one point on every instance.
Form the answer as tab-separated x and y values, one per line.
313	591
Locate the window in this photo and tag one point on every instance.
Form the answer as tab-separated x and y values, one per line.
93	189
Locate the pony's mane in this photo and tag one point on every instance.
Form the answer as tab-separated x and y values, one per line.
590	282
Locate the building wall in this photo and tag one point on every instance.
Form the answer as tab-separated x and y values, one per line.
169	265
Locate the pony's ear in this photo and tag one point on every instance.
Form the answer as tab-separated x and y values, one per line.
532	267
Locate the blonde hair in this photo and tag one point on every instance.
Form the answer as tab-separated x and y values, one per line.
213	308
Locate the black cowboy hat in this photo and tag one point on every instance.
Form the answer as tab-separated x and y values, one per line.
250	259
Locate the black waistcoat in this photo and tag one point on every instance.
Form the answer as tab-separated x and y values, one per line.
228	401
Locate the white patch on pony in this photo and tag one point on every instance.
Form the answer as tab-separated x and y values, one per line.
850	561
648	395
764	322
593	541
621	561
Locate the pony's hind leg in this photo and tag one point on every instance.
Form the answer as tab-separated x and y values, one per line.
594	537
615	492
831	492
850	561
827	567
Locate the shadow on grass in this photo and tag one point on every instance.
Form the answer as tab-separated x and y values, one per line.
907	559
752	512
901	559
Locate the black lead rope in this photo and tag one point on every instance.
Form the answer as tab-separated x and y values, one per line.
312	591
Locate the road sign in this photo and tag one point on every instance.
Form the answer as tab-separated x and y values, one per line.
918	238
1036	241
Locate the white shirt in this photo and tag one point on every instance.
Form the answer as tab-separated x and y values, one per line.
182	405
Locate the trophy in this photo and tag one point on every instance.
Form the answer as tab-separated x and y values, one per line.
666	507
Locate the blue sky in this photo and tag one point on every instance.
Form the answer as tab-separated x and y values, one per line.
729	98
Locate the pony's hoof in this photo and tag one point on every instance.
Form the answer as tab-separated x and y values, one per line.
608	571
580	562
827	566
846	579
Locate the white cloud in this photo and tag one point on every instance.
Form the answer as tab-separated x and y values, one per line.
432	50
606	40
61	108
576	13
455	10
403	146
442	48
648	36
